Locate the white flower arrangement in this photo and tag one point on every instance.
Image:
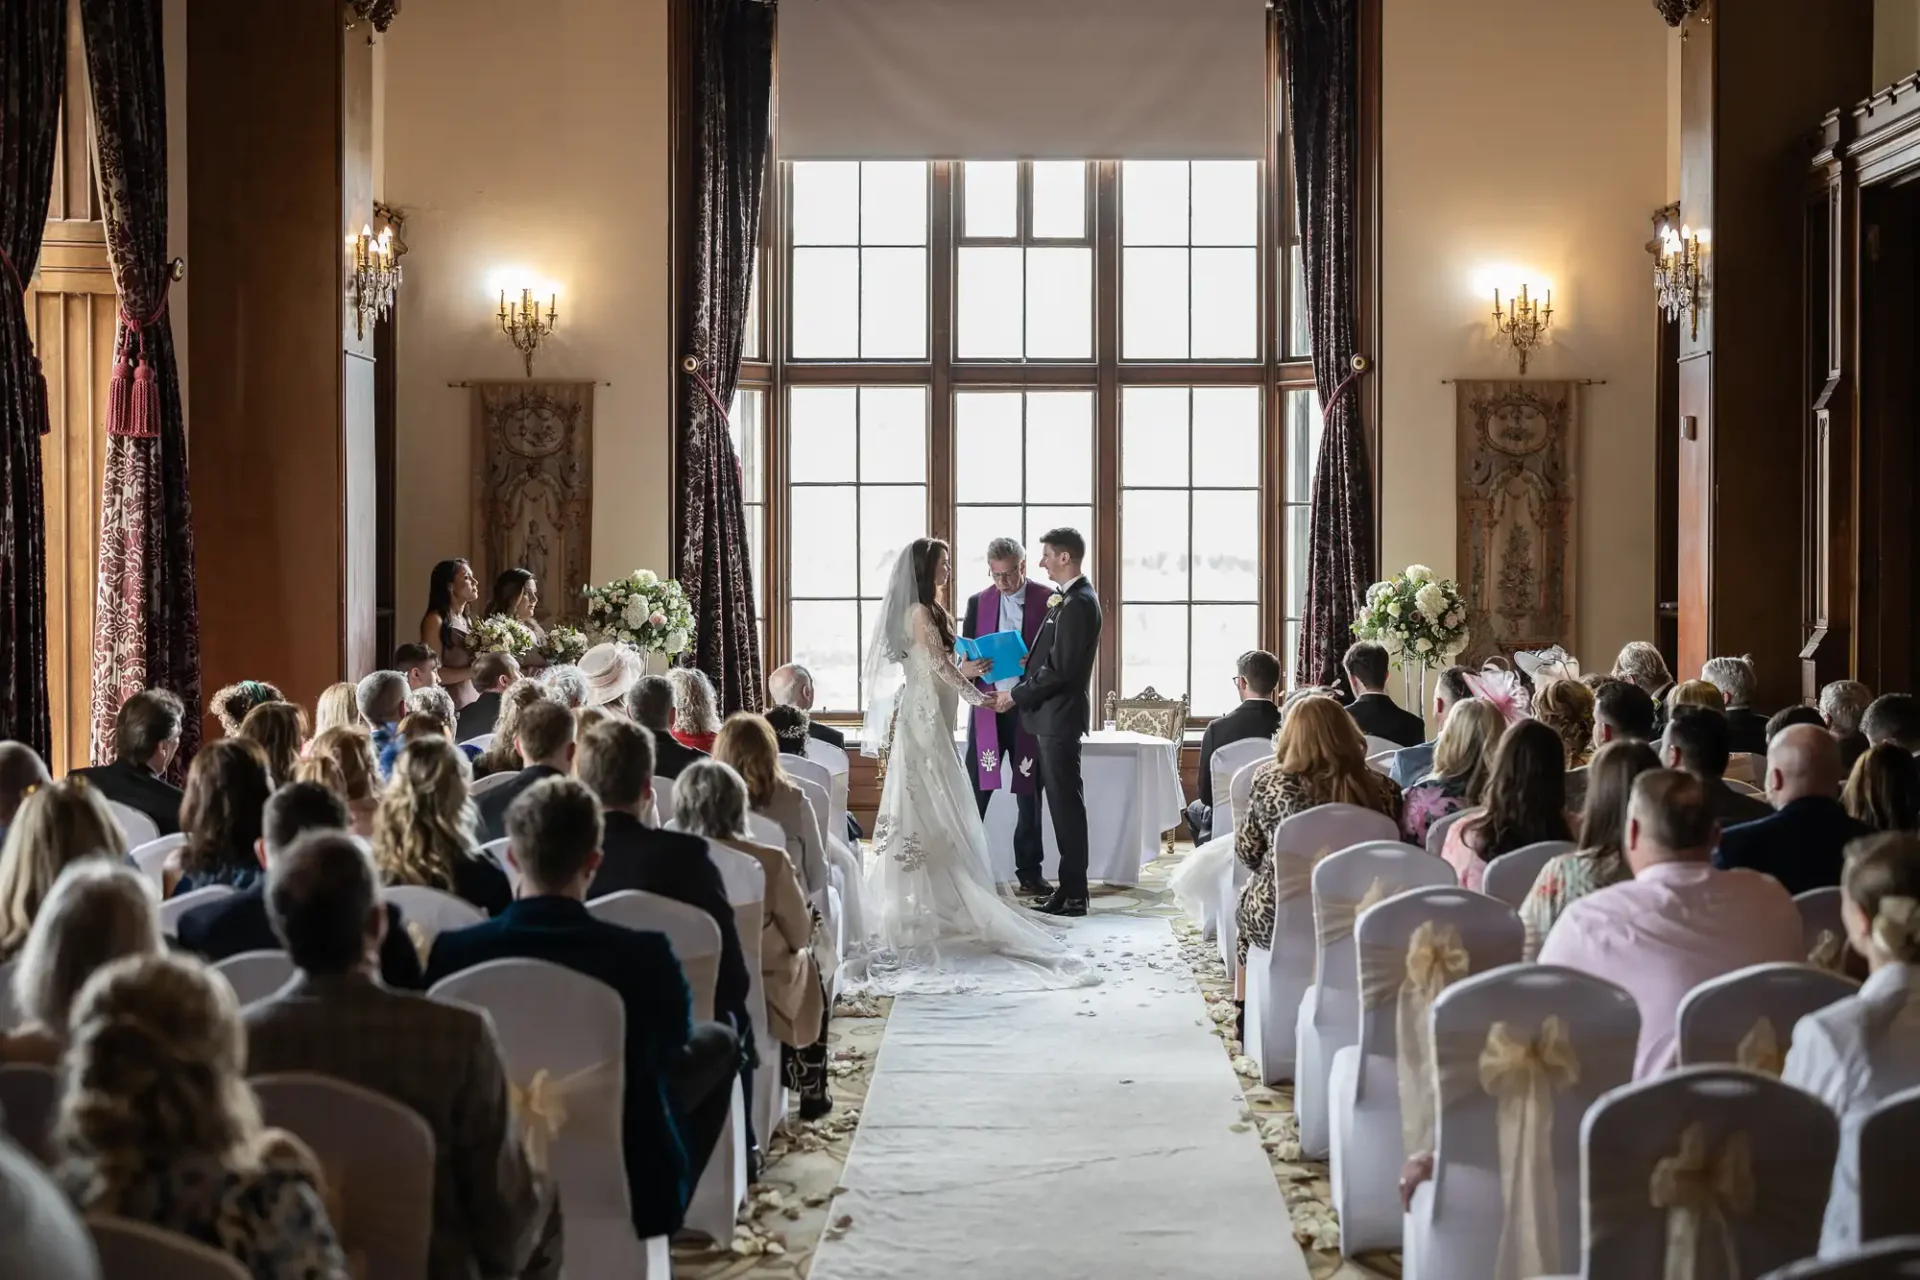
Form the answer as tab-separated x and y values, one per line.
1421	619
565	645
498	633
644	610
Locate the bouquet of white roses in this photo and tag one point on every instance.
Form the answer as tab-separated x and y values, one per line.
497	633
644	610
565	644
1422	620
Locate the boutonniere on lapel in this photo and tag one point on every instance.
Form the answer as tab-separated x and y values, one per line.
1054	600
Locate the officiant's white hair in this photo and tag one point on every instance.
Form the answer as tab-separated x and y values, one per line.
1006	549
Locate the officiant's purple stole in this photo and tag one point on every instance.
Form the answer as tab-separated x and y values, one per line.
983	618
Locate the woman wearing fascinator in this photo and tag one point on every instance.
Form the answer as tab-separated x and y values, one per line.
1505	690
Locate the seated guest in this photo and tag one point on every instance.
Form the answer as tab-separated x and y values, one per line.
1800	844
1694	693
1883	791
157	1124
1641	665
502	755
746	742
228	926
419	664
1410	764
566	684
793	685
696	710
40	1235
231	704
1696	740
1621	710
1566	707
146	734
1895	718
338	708
1736	679
609	671
544	737
441	1061
1678	922
1858	1052
424	832
493	675
1842	704
60	824
280	731
97	912
1462	762
1319	757
351	752
710	801
1256	717
789	725
1787	717
383	700
679	1075
227	789
1525	803
1601	858
615	761
21	770
650	703
436	704
1372	708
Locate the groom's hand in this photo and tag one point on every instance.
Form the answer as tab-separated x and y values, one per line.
1003	700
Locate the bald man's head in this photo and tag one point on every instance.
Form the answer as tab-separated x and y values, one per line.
20	769
1802	761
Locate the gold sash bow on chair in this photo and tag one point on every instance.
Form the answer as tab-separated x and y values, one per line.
1759	1049
1293	875
1699	1192
1334	922
1522	1075
1829	952
421	939
1436	959
540	1106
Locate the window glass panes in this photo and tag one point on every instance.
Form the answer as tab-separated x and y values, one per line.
826	203
1154	205
1023	464
1059	304
1028	300
1154	304
751	347
859	264
990	199
1303	427
1059	200
990	304
893	304
746	427
1189	260
893	202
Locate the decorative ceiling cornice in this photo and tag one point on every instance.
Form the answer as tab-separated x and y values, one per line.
380	13
1677	11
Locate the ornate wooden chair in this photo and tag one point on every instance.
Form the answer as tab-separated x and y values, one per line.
1155	716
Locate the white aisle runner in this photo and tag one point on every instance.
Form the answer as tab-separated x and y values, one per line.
1060	1135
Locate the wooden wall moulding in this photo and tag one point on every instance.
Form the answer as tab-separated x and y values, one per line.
533	488
1515	442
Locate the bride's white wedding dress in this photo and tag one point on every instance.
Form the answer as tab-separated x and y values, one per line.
936	920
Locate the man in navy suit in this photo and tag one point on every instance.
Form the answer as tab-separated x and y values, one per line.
1802	844
679	1075
1000	751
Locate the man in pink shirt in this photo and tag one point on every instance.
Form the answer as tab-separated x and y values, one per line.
1678	922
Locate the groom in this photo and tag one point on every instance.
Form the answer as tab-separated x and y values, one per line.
1055	709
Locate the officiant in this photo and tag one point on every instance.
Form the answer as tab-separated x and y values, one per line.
999	753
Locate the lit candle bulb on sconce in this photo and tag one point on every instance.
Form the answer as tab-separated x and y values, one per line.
523	324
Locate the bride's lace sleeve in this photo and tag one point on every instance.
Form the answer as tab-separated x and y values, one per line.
940	658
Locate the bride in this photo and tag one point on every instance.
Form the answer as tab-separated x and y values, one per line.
938	922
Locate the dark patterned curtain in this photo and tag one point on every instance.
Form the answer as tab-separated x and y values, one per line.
1323	108
146	631
33	65
732	82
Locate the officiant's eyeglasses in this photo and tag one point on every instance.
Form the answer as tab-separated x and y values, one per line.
1011	578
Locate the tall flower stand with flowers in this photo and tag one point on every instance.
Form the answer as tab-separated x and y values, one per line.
1421	621
644	610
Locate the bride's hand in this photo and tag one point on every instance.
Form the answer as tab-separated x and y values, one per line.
974	668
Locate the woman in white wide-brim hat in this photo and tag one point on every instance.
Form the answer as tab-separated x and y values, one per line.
611	670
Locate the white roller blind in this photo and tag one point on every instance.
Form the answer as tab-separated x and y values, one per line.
1022	79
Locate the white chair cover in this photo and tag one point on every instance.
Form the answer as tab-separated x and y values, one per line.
1747	1017
765	830
1826	933
662	799
9	1013
1438	936
481	786
1519	1054
562	1035
497	850
1703	1166
1889	1166
691	932
480	743
430	912
835	760
1345	885
136	826
29	1096
255	975
1437	829
1378	746
1510	876
820	804
1226	764
132	1250
723	1187
1897	1258
173	908
1280	967
151	859
1235	873
377	1157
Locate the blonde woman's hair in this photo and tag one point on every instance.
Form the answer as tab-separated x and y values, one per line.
1467	742
351	751
1319	741
1696	693
338	708
695	708
1882	878
501	755
426	817
98	911
1566	707
57	825
747	743
280	731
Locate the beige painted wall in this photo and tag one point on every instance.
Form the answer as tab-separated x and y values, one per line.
1525	140
1896	40
530	136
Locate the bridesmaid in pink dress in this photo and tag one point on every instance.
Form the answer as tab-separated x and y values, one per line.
445	627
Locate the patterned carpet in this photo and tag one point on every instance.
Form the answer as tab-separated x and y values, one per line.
789	1209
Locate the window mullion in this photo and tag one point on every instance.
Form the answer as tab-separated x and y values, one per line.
1106	429
940	260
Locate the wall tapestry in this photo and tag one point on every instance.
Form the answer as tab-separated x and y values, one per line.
533	488
1514	471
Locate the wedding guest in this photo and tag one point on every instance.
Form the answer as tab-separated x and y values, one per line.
40	1235
696	710
97	912
746	742
227	790
279	729
419	664
424	832
516	594
1842	704
382	697
793	685
351	752
1319	757
679	1073
1694	693
1696	740
566	684
544	735
1601	858
1802	843
1737	679
231	704
1621	709
789	725
609	671
437	704
1411	764
650	703
1372	708
146	735
21	770
59	824
1525	803
501	755
156	1123
1462	762
1787	717
1255	717
1883	791
338	708
446	628
1642	665
1895	718
493	675
1859	1051
1566	707
587	717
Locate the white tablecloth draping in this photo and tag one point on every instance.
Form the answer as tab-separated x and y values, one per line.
1133	792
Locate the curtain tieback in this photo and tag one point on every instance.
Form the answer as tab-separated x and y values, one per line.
133	398
1359	365
692	366
1522	1076
1759	1049
1701	1192
541	1105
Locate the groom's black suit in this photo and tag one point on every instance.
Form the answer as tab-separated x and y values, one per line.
1056	709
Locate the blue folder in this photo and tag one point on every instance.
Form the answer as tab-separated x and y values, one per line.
1003	648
